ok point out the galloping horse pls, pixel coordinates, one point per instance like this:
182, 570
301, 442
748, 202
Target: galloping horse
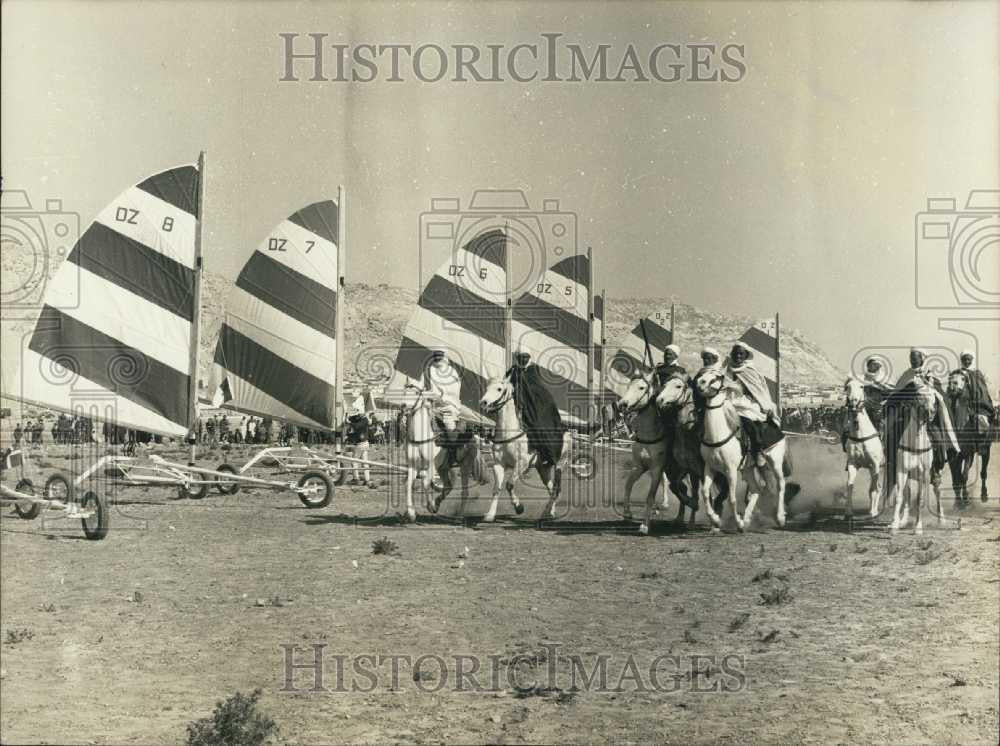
675, 397
512, 457
864, 447
974, 437
915, 458
722, 453
423, 454
649, 451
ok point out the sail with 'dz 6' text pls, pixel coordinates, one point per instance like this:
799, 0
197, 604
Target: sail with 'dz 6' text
113, 338
277, 347
460, 311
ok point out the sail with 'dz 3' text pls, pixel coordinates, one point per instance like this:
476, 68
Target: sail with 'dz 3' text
113, 338
277, 347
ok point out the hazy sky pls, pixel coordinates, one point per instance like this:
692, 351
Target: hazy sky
794, 189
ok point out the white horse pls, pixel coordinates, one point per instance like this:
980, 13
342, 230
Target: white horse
649, 449
914, 460
423, 454
864, 448
512, 456
722, 453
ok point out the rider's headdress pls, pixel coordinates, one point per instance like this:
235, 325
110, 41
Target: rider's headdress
742, 346
710, 351
672, 348
967, 353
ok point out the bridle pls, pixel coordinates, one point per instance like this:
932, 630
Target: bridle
416, 405
637, 409
718, 378
497, 406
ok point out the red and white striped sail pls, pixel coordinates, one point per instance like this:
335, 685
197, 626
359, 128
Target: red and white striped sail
113, 339
277, 347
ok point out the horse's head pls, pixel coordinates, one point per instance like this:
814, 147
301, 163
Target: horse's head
854, 393
956, 383
673, 392
415, 397
710, 382
498, 392
638, 394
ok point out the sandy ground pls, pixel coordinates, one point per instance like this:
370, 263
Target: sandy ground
886, 641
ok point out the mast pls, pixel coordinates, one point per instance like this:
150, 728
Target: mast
604, 346
673, 324
338, 376
591, 401
777, 359
508, 318
196, 313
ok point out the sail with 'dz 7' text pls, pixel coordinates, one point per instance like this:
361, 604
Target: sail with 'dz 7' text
113, 339
277, 347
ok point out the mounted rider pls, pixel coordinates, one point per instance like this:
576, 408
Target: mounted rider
980, 401
939, 429
444, 384
710, 360
756, 408
876, 390
669, 367
537, 410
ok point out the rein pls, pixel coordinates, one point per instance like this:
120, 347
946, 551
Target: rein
727, 438
509, 395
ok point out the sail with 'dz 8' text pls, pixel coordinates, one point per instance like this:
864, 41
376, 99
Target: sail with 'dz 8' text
113, 339
277, 347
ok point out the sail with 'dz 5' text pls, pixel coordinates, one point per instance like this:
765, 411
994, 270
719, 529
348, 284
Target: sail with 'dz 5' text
277, 347
113, 339
552, 323
461, 312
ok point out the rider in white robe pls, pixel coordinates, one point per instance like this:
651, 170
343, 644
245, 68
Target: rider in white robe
445, 387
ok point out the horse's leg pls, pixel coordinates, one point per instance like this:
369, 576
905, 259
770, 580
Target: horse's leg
547, 475
984, 461
918, 526
706, 496
898, 497
499, 474
874, 489
696, 491
852, 473
654, 486
411, 475
637, 471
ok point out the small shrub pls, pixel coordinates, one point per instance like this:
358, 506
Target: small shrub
385, 545
894, 549
235, 722
738, 622
769, 574
20, 634
925, 558
776, 596
649, 575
